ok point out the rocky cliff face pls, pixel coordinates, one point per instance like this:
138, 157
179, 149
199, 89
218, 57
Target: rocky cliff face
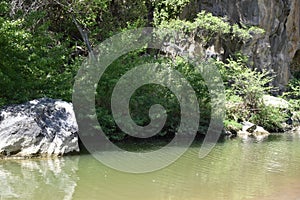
279, 47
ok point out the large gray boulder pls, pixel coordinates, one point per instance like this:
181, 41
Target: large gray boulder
43, 127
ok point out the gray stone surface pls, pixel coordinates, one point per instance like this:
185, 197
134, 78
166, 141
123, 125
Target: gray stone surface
260, 133
43, 127
275, 102
251, 130
249, 127
279, 18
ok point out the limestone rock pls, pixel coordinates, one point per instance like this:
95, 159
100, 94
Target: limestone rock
279, 47
248, 127
243, 134
251, 130
260, 133
275, 102
43, 127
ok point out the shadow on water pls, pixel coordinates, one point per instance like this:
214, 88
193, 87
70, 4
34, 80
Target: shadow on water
142, 145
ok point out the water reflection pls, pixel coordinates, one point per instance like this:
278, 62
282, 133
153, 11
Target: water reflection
234, 170
38, 179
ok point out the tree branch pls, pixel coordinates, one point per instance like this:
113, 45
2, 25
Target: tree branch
82, 31
84, 35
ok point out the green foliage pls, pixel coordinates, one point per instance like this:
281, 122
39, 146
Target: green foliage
235, 108
102, 18
165, 10
249, 84
232, 125
34, 62
270, 118
245, 90
107, 124
293, 94
151, 94
208, 27
207, 21
41, 50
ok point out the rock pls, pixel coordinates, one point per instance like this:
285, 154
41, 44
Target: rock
260, 133
251, 130
295, 118
231, 130
275, 102
246, 131
248, 127
278, 48
243, 134
43, 127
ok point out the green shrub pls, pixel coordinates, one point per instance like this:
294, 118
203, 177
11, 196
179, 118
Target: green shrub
150, 94
235, 108
293, 94
35, 62
270, 118
245, 90
208, 28
232, 125
248, 84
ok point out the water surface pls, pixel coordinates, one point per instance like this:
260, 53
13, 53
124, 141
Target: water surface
234, 170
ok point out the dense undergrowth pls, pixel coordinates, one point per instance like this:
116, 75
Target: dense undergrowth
41, 50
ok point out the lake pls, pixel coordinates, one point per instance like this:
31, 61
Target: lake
234, 170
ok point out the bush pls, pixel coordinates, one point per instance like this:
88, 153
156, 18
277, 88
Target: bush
245, 90
270, 118
293, 94
35, 62
151, 94
232, 126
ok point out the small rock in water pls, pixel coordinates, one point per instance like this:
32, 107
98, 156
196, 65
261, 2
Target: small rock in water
260, 133
248, 127
251, 130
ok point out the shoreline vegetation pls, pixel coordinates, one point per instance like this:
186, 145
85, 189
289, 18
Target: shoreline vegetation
43, 47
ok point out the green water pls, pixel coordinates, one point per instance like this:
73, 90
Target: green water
233, 170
